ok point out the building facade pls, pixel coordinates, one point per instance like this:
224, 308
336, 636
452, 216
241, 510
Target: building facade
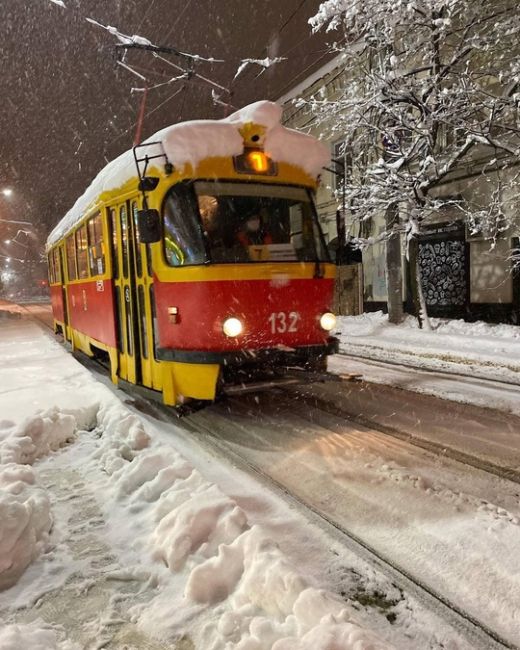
466, 272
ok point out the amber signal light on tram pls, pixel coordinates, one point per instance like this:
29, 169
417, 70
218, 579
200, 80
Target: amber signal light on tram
255, 161
258, 161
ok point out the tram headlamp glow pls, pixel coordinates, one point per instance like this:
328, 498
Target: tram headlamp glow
232, 327
328, 321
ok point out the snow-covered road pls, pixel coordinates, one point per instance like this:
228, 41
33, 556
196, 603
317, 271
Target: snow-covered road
461, 387
154, 542
454, 528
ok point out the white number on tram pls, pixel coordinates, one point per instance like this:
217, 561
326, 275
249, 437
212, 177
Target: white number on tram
284, 322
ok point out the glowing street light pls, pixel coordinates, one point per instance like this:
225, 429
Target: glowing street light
7, 191
7, 241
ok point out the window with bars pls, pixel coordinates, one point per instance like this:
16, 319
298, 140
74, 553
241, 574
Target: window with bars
342, 164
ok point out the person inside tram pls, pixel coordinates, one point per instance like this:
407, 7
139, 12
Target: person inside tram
254, 231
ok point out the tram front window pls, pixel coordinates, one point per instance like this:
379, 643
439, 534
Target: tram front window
183, 241
247, 222
240, 222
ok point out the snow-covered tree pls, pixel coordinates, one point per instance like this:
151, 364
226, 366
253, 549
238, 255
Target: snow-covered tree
432, 89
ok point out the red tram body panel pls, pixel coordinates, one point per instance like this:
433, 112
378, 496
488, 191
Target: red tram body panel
58, 308
91, 306
277, 312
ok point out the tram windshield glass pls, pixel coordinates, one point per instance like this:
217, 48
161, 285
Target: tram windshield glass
226, 222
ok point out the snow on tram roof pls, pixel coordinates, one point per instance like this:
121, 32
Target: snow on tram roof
191, 142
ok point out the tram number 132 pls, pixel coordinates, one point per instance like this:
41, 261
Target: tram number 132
284, 322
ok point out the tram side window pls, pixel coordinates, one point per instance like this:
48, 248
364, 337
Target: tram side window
113, 233
50, 261
183, 243
138, 260
96, 252
71, 258
124, 239
81, 252
57, 267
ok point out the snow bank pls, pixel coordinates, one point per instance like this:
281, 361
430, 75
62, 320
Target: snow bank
25, 521
25, 514
34, 636
188, 143
375, 322
188, 528
36, 436
480, 349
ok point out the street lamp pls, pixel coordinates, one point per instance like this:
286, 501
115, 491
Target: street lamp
8, 192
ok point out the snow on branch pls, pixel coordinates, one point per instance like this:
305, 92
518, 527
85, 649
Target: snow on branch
263, 63
122, 38
429, 91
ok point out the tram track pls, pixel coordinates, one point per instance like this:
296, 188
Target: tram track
476, 632
374, 360
441, 450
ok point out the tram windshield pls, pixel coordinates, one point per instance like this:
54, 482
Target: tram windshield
226, 222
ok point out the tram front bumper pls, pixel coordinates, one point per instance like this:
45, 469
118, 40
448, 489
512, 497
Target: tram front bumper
278, 356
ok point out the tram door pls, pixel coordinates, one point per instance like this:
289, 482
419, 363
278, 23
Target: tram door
124, 292
130, 285
143, 287
61, 270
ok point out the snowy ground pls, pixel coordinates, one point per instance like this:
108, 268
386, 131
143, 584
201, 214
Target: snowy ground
118, 531
454, 528
459, 361
110, 538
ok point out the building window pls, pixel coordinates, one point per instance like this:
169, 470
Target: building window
342, 164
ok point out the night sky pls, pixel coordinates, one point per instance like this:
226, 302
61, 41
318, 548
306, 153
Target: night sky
68, 107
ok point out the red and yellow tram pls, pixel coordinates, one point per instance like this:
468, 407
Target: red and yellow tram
198, 257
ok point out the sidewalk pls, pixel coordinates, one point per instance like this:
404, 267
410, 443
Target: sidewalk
456, 360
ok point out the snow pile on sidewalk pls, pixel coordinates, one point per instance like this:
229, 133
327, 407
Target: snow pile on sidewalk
203, 554
32, 637
480, 349
25, 521
35, 437
25, 517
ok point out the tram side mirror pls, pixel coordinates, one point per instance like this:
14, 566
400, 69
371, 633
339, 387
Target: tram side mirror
149, 226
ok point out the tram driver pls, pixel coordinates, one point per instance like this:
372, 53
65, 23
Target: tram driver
254, 231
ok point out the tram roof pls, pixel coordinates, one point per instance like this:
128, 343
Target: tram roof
193, 141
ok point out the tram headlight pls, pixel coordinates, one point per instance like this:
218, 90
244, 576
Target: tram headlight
328, 321
232, 327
